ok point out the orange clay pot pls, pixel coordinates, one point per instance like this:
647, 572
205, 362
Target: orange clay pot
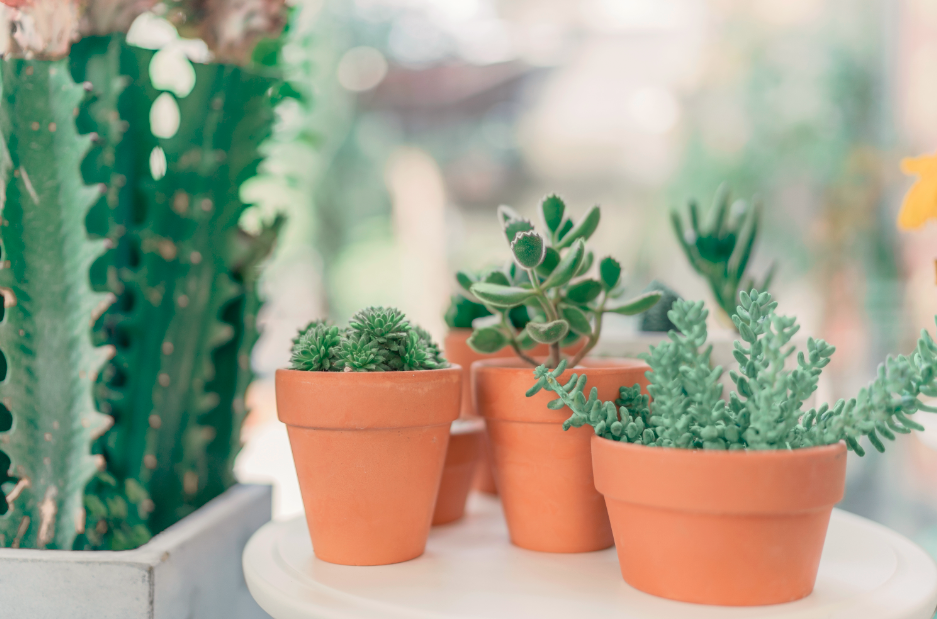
457, 350
465, 444
545, 474
732, 528
369, 450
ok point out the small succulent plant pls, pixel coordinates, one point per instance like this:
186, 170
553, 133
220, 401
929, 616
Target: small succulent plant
377, 339
720, 249
766, 411
655, 320
550, 277
463, 310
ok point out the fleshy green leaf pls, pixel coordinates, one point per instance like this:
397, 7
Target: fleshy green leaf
565, 227
577, 319
567, 267
609, 272
584, 291
515, 227
487, 340
550, 259
548, 332
465, 280
551, 210
501, 296
583, 229
496, 276
637, 305
529, 249
585, 265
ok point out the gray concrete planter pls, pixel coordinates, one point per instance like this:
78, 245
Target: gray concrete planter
191, 570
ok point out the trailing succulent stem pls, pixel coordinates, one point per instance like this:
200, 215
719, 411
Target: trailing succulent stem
720, 249
766, 410
551, 280
48, 363
377, 339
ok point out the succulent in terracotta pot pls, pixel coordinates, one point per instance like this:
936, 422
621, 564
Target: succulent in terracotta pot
545, 481
368, 410
736, 495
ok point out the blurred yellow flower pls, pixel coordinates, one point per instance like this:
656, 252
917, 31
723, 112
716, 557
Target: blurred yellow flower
921, 202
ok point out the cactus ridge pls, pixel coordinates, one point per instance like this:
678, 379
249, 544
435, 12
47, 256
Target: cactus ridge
49, 361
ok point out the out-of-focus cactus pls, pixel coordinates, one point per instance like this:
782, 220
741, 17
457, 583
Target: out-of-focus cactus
184, 321
47, 417
721, 248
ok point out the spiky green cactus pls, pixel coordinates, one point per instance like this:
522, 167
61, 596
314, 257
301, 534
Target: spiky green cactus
49, 362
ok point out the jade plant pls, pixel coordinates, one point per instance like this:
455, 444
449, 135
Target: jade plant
766, 411
551, 278
720, 248
377, 339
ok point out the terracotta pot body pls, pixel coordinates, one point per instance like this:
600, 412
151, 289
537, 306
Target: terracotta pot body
719, 527
369, 450
458, 351
543, 473
465, 445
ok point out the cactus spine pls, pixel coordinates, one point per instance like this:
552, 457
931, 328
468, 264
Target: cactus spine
49, 361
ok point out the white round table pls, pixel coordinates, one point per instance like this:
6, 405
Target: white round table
471, 570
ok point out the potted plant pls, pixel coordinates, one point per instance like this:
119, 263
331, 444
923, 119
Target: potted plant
368, 410
128, 314
728, 503
545, 482
460, 316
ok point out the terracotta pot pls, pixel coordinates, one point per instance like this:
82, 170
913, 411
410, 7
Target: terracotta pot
458, 351
543, 473
719, 527
369, 450
465, 446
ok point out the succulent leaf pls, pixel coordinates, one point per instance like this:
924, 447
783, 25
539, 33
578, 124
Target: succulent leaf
584, 291
583, 229
609, 272
552, 209
487, 340
548, 332
529, 249
501, 296
637, 305
567, 267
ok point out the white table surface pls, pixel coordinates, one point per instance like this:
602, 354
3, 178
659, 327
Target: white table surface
470, 570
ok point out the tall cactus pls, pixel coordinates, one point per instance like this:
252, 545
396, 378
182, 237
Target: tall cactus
187, 282
48, 359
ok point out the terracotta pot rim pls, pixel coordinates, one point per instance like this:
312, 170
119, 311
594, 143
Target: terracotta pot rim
396, 374
764, 454
591, 364
720, 482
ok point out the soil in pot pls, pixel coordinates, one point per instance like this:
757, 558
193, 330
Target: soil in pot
462, 456
369, 449
731, 528
544, 474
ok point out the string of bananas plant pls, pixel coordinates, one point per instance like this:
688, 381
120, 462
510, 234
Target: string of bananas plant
550, 277
766, 410
377, 339
720, 248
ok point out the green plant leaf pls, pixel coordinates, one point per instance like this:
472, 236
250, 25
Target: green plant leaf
586, 264
565, 227
487, 340
501, 296
464, 279
529, 249
583, 228
515, 227
550, 260
551, 210
637, 305
567, 267
506, 214
609, 272
584, 291
577, 319
548, 332
496, 276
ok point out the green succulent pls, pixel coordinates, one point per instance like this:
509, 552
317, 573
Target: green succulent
720, 249
358, 352
655, 320
766, 410
550, 277
316, 348
378, 339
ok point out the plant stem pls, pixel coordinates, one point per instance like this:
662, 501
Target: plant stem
594, 336
517, 349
